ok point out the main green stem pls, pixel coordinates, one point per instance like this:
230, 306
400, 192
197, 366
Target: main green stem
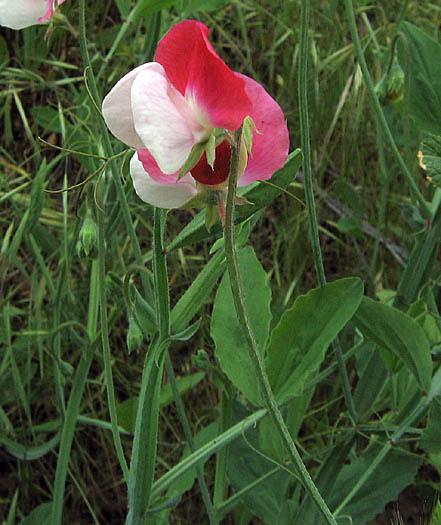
309, 193
425, 210
265, 388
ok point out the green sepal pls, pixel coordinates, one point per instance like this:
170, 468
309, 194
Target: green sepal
248, 127
240, 199
210, 150
193, 159
211, 216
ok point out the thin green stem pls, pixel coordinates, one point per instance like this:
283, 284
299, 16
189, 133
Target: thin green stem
309, 192
425, 209
255, 354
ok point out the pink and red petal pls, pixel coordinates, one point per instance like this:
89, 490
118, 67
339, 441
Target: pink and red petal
196, 71
157, 194
270, 147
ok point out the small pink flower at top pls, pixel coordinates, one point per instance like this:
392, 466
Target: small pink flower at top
17, 14
190, 97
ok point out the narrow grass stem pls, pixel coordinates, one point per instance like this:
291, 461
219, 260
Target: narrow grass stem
425, 210
255, 355
309, 192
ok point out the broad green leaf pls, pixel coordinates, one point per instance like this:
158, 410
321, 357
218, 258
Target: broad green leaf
304, 332
372, 377
126, 411
424, 57
231, 345
260, 194
395, 472
431, 439
430, 158
399, 333
246, 466
40, 515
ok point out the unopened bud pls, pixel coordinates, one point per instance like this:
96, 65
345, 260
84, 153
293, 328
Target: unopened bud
87, 242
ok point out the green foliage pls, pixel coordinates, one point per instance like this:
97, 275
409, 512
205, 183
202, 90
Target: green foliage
396, 471
231, 345
398, 333
299, 341
420, 57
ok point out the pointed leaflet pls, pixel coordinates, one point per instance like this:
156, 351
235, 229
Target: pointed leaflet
396, 331
231, 345
300, 339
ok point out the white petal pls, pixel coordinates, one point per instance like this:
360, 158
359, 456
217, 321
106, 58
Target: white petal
117, 108
160, 195
163, 120
18, 14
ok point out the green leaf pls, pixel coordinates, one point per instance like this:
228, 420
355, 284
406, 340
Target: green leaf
41, 514
399, 333
46, 117
194, 6
300, 339
371, 379
431, 438
185, 482
150, 7
197, 293
395, 472
430, 158
246, 466
144, 315
260, 194
231, 345
424, 57
124, 7
126, 411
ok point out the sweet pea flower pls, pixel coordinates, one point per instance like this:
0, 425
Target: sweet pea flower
17, 14
182, 106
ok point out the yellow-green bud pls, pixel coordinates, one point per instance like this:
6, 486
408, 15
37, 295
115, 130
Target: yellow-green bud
88, 238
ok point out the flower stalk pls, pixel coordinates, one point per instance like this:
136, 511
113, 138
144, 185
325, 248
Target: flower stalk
239, 303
